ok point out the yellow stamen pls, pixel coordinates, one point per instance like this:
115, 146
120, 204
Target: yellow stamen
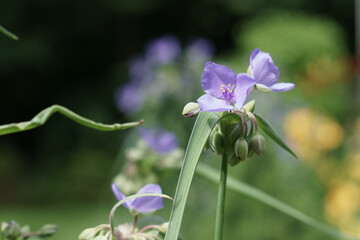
223, 90
222, 85
229, 85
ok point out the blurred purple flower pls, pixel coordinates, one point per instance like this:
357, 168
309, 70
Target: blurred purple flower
265, 72
200, 49
163, 50
158, 140
139, 70
141, 204
224, 89
128, 98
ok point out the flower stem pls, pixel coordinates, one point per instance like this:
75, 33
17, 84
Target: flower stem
220, 208
134, 224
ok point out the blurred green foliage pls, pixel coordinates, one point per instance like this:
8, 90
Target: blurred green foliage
75, 53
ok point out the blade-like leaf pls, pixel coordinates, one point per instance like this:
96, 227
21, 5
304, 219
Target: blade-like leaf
202, 128
270, 131
45, 114
237, 186
8, 33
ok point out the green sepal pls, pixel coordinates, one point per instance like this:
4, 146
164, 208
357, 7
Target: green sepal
262, 88
249, 106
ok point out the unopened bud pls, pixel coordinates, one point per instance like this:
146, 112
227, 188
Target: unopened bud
163, 227
241, 148
87, 234
48, 230
226, 121
218, 143
262, 88
11, 230
232, 159
191, 109
207, 144
234, 132
250, 106
258, 144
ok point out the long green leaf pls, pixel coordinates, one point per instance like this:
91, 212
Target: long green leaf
237, 186
202, 128
8, 33
45, 114
270, 131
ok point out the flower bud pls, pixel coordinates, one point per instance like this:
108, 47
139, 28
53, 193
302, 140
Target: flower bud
226, 121
207, 144
250, 106
262, 88
11, 230
48, 230
234, 132
232, 159
258, 144
191, 109
164, 227
241, 148
87, 234
218, 143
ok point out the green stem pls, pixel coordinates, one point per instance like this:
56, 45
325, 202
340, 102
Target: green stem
220, 208
45, 114
8, 33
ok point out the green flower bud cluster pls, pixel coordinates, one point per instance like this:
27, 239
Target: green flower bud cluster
13, 231
236, 135
101, 232
125, 231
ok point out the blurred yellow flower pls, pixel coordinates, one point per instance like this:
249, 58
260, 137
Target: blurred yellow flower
352, 165
312, 133
342, 206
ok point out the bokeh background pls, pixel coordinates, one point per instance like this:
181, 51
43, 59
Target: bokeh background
118, 61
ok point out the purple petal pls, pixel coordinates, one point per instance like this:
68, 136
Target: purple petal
139, 70
280, 87
263, 68
200, 49
158, 140
128, 98
214, 76
163, 50
120, 196
148, 204
244, 84
166, 142
209, 103
253, 54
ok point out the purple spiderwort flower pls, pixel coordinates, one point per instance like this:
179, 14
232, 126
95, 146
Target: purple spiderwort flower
200, 49
264, 71
158, 140
141, 204
224, 89
140, 70
125, 100
163, 50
